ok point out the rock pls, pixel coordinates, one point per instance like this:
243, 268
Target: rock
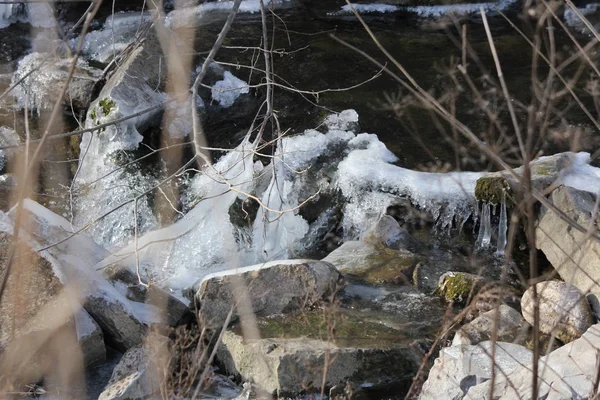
389, 233
137, 376
90, 338
510, 327
565, 373
32, 285
575, 258
373, 264
40, 88
459, 286
268, 289
564, 310
544, 172
290, 366
460, 367
7, 191
123, 321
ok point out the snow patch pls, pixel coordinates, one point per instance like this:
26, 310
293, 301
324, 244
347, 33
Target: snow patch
227, 90
581, 175
370, 8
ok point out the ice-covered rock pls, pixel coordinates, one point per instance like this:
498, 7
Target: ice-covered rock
458, 368
266, 289
565, 373
563, 309
39, 89
102, 182
8, 137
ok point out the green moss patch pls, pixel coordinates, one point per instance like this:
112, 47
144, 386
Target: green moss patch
458, 286
490, 189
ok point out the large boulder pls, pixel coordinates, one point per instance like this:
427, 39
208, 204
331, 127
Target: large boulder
565, 373
290, 366
265, 289
574, 255
564, 310
458, 368
374, 263
505, 323
123, 321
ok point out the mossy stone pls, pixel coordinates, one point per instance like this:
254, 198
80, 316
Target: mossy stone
458, 286
490, 189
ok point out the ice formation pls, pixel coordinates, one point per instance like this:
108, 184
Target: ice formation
428, 11
227, 90
8, 137
303, 166
102, 181
116, 34
370, 8
38, 90
39, 15
581, 175
196, 16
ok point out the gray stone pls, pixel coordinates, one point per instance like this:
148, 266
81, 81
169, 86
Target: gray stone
288, 367
138, 375
510, 327
91, 339
458, 368
575, 257
122, 320
565, 373
389, 233
374, 264
265, 289
564, 310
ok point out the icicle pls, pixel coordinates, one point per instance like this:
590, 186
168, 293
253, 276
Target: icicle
502, 225
485, 227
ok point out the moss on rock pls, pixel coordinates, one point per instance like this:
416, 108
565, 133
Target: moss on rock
458, 286
489, 189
